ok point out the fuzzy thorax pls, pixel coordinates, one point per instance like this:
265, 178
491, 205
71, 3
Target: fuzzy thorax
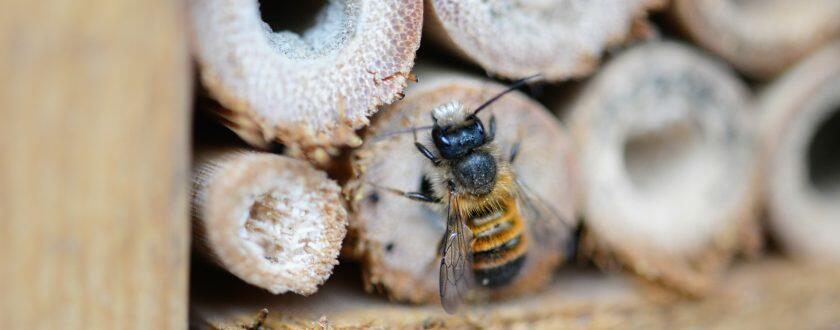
450, 114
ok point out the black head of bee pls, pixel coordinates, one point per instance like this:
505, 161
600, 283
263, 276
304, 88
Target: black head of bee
474, 169
455, 142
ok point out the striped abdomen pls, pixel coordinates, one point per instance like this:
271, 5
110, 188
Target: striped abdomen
498, 244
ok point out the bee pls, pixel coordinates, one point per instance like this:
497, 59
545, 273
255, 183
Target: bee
493, 220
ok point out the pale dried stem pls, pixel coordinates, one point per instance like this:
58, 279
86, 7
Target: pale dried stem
760, 38
273, 221
308, 91
667, 158
560, 39
801, 132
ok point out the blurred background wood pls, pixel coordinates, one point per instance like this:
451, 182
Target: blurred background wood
95, 101
760, 38
768, 294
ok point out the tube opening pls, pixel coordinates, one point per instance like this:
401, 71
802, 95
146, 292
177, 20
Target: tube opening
292, 16
263, 225
823, 158
308, 29
662, 161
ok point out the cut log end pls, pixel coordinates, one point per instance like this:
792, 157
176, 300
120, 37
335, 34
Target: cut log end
556, 39
309, 90
397, 238
666, 157
273, 221
760, 38
801, 133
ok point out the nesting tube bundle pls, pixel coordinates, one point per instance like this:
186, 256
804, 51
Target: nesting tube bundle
273, 221
801, 131
760, 38
667, 152
397, 239
309, 91
559, 39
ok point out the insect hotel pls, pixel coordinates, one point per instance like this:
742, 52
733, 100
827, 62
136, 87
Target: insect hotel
391, 164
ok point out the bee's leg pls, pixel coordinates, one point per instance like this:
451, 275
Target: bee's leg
413, 195
418, 196
491, 130
514, 151
425, 151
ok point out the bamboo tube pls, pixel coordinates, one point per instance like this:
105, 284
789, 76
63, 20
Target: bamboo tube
801, 133
308, 90
560, 39
275, 222
94, 144
760, 38
666, 152
397, 239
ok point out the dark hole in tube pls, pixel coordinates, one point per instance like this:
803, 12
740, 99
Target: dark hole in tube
660, 160
824, 155
295, 16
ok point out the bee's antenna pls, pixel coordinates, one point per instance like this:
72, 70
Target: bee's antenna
512, 87
397, 132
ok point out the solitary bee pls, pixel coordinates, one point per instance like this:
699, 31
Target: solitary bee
493, 219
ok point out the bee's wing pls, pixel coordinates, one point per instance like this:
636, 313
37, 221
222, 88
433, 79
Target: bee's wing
548, 227
456, 276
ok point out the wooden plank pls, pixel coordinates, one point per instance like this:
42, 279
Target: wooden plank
94, 117
766, 294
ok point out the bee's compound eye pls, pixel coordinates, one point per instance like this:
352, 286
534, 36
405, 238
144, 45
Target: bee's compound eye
478, 129
439, 137
445, 140
447, 143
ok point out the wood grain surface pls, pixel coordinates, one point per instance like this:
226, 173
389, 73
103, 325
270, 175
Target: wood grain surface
769, 294
94, 137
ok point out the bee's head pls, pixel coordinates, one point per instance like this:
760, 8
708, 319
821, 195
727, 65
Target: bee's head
457, 132
457, 140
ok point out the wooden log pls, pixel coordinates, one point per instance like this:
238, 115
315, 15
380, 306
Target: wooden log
273, 221
309, 90
560, 39
397, 239
667, 157
801, 132
768, 294
93, 160
760, 38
